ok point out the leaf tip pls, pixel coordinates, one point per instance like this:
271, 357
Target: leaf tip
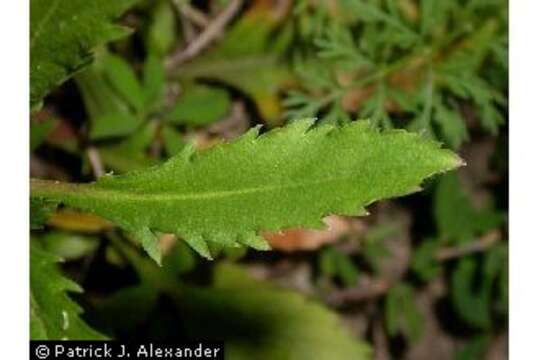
255, 241
198, 244
454, 161
150, 244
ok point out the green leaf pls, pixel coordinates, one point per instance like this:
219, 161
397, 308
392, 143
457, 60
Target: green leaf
161, 33
124, 80
472, 304
199, 106
334, 263
287, 178
327, 265
63, 34
254, 318
372, 13
460, 226
347, 271
503, 286
53, 315
473, 296
434, 14
338, 44
130, 154
133, 303
374, 249
474, 348
453, 128
404, 45
250, 316
40, 210
108, 111
424, 263
249, 58
172, 140
154, 82
114, 124
98, 95
180, 260
401, 313
451, 224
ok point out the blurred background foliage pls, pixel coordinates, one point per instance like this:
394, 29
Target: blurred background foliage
423, 277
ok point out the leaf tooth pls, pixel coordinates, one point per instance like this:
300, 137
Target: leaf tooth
250, 136
326, 129
355, 208
222, 238
150, 243
187, 152
252, 239
317, 223
415, 189
362, 211
198, 244
297, 127
303, 126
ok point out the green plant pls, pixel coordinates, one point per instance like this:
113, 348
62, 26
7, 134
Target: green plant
404, 64
168, 157
78, 26
225, 195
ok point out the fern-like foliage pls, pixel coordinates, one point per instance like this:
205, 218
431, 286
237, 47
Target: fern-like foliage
63, 34
289, 177
433, 66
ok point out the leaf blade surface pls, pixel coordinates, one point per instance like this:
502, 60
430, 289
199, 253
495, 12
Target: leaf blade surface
286, 178
53, 315
62, 36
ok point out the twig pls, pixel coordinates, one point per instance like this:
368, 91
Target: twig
95, 162
482, 244
188, 29
367, 289
188, 17
380, 340
194, 15
210, 33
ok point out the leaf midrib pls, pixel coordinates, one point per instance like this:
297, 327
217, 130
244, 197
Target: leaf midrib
121, 194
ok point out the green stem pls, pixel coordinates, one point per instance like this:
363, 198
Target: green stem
385, 71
